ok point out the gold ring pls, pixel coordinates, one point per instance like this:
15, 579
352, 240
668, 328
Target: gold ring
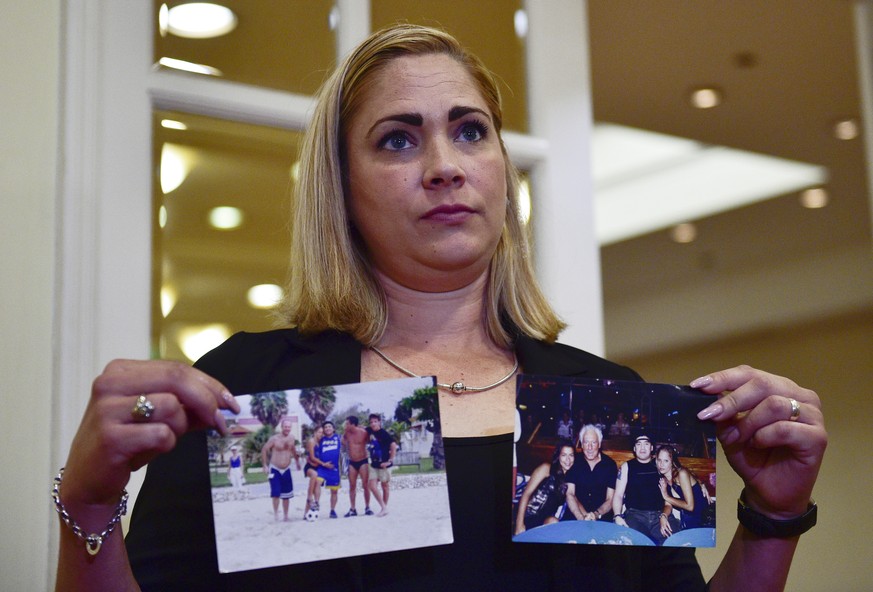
142, 409
795, 410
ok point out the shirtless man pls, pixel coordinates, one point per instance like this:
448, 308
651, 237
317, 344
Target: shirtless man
355, 440
276, 460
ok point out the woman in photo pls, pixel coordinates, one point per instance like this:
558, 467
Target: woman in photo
408, 257
310, 469
545, 491
681, 488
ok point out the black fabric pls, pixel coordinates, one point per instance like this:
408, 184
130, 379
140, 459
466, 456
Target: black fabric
590, 484
171, 541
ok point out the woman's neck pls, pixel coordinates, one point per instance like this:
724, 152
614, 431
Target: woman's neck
435, 321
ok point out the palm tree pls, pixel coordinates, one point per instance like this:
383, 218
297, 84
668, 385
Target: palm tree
318, 402
424, 400
269, 408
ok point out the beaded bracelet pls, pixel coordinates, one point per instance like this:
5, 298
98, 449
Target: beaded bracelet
93, 541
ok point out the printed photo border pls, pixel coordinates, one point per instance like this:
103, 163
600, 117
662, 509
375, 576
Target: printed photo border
252, 533
550, 413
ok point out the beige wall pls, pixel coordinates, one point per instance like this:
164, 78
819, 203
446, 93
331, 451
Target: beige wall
28, 163
834, 358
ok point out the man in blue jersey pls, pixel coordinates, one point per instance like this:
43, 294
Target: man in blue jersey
328, 471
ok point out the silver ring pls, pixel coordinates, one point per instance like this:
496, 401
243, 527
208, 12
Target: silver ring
142, 409
795, 410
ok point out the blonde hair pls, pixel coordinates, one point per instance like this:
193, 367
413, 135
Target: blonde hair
331, 285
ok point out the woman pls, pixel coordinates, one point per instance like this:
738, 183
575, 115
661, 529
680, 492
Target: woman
310, 469
545, 491
235, 470
681, 488
406, 240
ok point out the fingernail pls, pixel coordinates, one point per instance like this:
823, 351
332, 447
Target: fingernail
220, 424
231, 401
730, 436
711, 411
701, 382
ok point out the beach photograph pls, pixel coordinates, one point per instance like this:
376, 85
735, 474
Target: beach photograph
281, 479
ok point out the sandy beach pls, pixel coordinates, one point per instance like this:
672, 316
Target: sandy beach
248, 537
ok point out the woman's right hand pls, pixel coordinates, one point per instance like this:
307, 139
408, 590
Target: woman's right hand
111, 442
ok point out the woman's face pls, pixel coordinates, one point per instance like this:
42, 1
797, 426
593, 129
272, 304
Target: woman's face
426, 175
665, 463
566, 458
318, 433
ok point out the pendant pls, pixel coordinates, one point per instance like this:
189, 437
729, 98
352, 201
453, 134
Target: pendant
458, 387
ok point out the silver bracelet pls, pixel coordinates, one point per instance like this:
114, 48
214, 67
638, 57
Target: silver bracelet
93, 541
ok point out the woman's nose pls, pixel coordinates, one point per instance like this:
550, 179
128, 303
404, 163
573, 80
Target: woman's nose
443, 166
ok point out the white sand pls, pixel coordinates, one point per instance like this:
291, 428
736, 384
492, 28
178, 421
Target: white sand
248, 537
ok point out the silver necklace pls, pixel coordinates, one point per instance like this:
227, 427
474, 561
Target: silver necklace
457, 388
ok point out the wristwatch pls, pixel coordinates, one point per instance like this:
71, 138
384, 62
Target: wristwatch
766, 527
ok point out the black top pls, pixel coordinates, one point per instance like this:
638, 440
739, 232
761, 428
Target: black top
172, 542
642, 491
590, 484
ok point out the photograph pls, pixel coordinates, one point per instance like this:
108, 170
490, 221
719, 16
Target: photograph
326, 472
613, 463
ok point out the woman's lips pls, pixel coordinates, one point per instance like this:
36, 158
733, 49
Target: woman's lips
449, 213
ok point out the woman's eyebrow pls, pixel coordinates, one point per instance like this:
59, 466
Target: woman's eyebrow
417, 120
460, 111
414, 119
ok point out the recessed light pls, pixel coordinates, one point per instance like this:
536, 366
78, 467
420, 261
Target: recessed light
846, 129
705, 98
524, 201
200, 20
265, 295
173, 124
684, 233
197, 340
521, 23
225, 217
175, 64
816, 197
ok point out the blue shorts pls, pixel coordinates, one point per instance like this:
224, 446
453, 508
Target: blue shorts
280, 483
330, 478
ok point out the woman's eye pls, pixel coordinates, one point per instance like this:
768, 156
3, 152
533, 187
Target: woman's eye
395, 141
473, 131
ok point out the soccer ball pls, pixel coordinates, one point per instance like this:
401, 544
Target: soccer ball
311, 515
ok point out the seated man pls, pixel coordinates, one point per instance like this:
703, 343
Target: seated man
591, 480
638, 491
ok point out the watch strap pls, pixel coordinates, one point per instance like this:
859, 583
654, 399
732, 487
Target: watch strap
767, 527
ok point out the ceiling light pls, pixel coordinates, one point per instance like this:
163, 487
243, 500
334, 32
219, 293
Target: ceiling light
265, 295
200, 20
684, 233
225, 217
168, 299
814, 198
195, 341
189, 67
524, 200
163, 20
846, 129
521, 23
644, 181
173, 124
176, 163
705, 98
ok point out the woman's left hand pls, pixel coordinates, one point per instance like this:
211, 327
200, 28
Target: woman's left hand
776, 450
